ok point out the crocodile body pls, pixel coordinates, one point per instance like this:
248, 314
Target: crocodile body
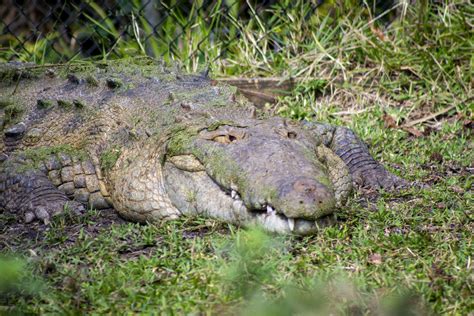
155, 144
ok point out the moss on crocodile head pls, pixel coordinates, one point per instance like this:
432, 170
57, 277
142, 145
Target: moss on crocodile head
181, 138
270, 194
216, 161
109, 157
205, 96
215, 125
311, 155
221, 167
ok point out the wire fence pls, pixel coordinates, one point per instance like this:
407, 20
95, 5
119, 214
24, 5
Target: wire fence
57, 31
201, 31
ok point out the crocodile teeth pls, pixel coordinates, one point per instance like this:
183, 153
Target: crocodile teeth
233, 194
291, 223
270, 210
237, 204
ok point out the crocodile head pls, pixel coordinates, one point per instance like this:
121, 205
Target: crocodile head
263, 172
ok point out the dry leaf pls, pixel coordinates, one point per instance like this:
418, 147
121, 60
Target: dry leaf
413, 131
436, 156
389, 121
457, 189
441, 205
378, 32
375, 258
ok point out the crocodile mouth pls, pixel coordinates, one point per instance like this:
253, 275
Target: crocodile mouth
274, 220
194, 192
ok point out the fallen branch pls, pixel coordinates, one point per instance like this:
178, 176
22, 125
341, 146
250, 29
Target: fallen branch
428, 118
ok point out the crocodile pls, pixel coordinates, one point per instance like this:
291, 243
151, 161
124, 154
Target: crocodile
155, 143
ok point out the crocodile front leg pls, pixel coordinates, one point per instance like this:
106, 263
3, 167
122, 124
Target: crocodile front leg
365, 170
41, 189
32, 195
137, 185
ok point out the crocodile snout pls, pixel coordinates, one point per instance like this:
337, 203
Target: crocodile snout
306, 198
269, 171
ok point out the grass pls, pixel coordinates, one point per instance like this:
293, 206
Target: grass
403, 253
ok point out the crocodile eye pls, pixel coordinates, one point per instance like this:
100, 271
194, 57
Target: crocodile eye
224, 135
225, 139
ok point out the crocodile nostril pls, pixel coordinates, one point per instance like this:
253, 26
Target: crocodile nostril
310, 191
306, 197
306, 186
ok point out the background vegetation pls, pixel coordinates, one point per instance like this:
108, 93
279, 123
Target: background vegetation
404, 83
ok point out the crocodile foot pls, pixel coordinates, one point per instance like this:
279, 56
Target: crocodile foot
379, 178
31, 195
47, 209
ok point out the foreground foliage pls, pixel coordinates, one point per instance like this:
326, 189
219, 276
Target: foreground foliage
396, 253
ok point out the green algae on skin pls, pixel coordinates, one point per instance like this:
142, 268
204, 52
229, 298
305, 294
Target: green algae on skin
180, 141
92, 81
109, 157
6, 101
65, 104
12, 113
221, 168
34, 157
44, 104
10, 74
114, 83
79, 104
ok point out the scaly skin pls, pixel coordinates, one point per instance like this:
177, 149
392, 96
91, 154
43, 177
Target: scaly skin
156, 144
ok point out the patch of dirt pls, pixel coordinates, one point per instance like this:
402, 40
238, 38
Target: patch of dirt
65, 229
196, 232
131, 251
439, 170
17, 236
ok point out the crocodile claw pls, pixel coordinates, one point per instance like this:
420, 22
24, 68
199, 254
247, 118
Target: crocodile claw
291, 224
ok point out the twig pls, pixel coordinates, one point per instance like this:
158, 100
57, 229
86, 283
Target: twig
429, 117
352, 112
